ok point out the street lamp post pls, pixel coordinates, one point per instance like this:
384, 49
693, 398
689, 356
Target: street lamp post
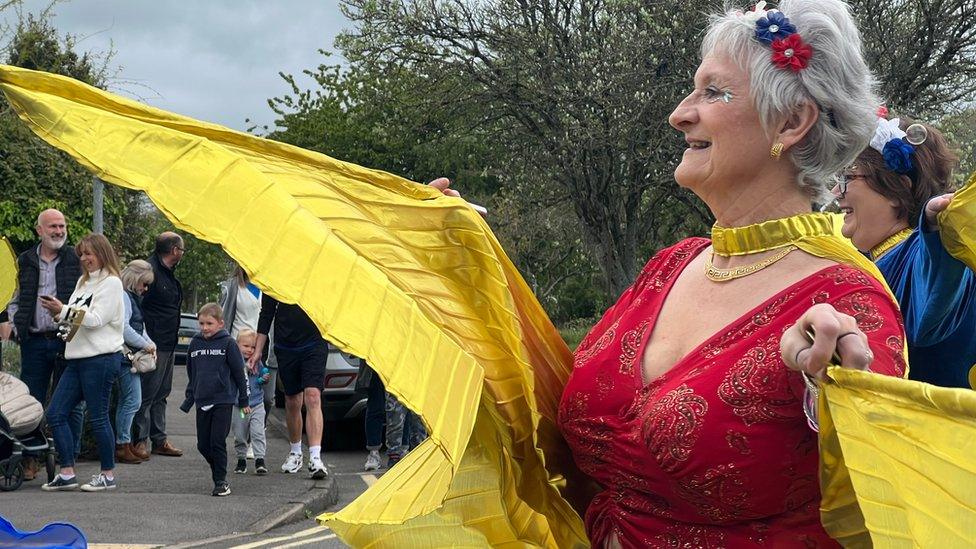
98, 187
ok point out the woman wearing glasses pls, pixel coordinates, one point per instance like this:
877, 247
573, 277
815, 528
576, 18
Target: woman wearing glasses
891, 197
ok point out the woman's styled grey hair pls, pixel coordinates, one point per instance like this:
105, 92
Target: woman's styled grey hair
837, 80
137, 273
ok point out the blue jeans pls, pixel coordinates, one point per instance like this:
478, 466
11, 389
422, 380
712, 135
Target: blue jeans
375, 412
90, 379
130, 398
40, 359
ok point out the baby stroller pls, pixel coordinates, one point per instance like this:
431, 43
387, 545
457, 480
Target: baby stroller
13, 451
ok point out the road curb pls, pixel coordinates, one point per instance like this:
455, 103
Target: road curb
320, 497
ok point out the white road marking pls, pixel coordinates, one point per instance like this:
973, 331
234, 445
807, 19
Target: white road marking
121, 546
369, 479
269, 541
304, 542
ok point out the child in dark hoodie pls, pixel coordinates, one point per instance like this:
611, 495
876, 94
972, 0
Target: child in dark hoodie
217, 383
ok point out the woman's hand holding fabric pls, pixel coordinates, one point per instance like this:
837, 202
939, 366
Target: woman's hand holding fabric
443, 184
933, 208
833, 332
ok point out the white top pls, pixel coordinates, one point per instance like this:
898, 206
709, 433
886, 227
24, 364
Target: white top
101, 329
246, 314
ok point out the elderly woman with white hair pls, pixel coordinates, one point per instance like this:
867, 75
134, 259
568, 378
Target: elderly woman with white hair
136, 278
680, 405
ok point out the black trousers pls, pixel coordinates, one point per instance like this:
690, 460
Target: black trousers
213, 426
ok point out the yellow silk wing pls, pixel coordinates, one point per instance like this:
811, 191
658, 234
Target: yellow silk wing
8, 271
957, 224
908, 448
389, 270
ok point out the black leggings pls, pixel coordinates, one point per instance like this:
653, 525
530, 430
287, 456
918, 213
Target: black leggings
213, 426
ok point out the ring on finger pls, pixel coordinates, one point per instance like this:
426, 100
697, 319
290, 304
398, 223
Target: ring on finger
796, 358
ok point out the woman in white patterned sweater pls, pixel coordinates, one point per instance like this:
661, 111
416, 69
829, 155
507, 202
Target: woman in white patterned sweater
93, 357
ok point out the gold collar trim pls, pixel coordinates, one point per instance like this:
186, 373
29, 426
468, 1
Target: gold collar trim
889, 243
770, 235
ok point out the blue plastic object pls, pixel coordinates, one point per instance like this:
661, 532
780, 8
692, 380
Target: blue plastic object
57, 535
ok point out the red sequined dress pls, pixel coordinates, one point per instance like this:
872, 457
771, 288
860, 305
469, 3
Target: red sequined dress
717, 451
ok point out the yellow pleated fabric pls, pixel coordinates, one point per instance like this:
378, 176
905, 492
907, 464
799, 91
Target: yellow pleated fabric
416, 283
909, 448
957, 224
8, 271
389, 270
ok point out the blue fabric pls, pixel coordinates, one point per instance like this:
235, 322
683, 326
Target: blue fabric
90, 379
254, 290
130, 398
937, 295
57, 535
255, 394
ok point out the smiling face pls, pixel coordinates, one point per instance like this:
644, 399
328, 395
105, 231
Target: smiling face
88, 259
209, 325
52, 229
726, 142
869, 217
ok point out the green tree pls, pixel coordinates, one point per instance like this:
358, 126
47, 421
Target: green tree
923, 51
34, 175
576, 94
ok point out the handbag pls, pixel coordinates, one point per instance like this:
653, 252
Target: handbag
142, 361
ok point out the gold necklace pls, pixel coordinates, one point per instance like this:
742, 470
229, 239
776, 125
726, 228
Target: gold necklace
889, 243
724, 275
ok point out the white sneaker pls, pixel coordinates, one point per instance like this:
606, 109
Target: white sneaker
372, 461
250, 453
317, 468
292, 464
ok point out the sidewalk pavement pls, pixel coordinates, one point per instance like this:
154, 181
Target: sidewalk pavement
167, 501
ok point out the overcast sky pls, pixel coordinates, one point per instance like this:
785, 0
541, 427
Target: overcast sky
215, 60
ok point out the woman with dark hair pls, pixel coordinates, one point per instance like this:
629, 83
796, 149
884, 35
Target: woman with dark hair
891, 197
95, 315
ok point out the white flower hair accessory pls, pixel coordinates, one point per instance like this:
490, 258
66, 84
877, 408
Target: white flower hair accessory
885, 132
756, 13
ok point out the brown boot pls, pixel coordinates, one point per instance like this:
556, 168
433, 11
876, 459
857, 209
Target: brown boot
167, 449
124, 455
139, 450
132, 450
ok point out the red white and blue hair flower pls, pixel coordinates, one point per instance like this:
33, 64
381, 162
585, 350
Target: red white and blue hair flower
889, 140
774, 29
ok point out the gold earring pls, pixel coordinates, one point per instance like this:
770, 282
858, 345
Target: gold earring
777, 150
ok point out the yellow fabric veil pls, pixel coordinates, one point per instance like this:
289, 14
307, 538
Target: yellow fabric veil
389, 270
957, 224
416, 283
8, 271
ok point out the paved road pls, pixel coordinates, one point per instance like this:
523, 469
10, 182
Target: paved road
308, 533
166, 501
